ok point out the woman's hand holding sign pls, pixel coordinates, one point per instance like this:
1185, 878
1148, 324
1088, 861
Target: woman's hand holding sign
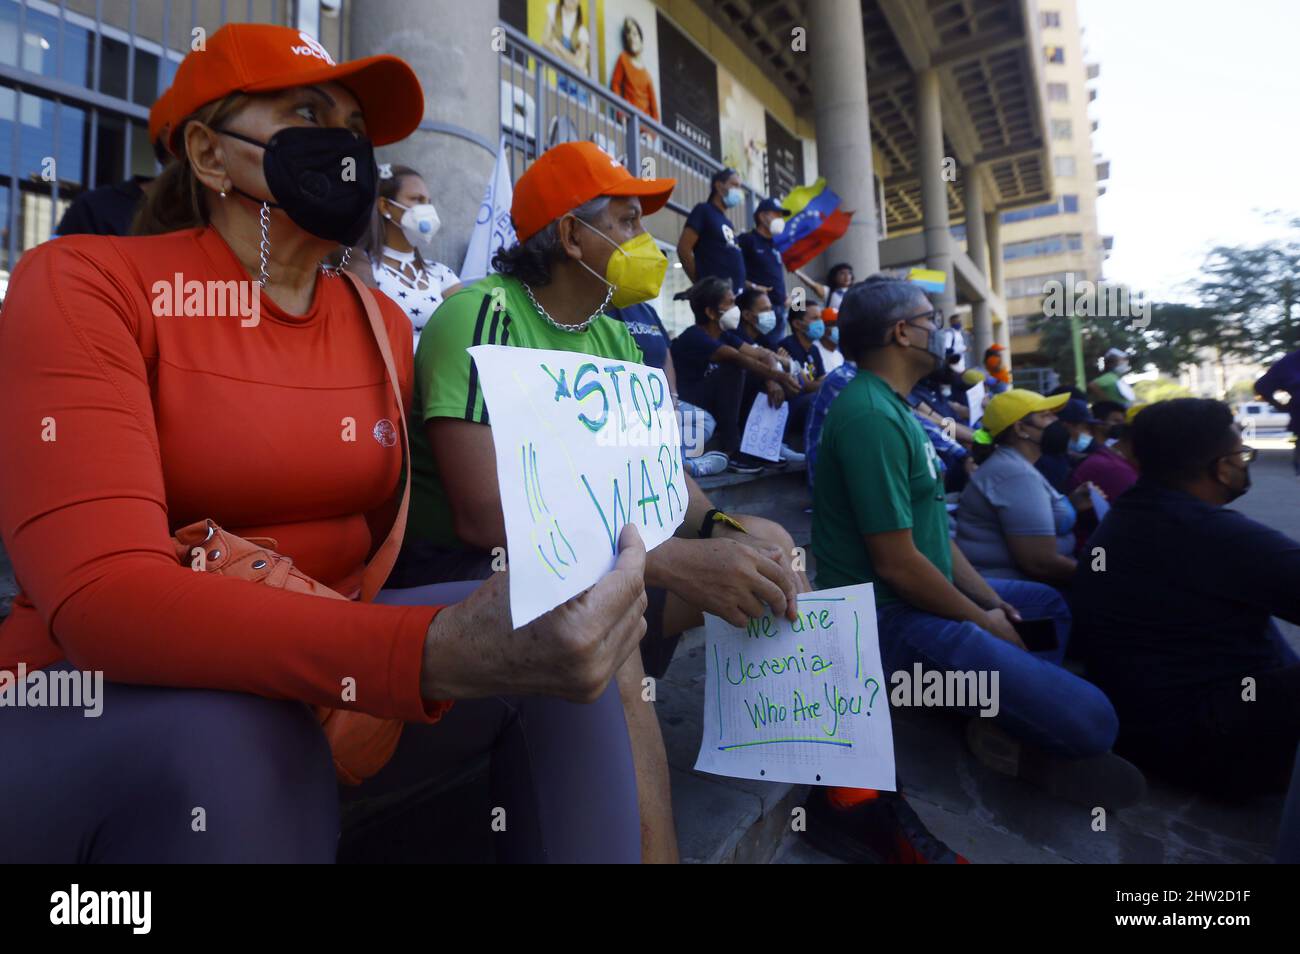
572, 652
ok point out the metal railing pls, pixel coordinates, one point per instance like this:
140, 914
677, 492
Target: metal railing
544, 102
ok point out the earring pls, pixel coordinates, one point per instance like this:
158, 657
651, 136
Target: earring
223, 193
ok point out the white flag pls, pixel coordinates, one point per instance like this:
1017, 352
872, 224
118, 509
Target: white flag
492, 228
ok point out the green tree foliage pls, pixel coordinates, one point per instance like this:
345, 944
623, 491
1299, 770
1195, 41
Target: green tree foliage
1169, 341
1247, 308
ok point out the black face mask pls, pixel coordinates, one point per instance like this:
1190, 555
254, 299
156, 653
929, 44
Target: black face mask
305, 169
1235, 492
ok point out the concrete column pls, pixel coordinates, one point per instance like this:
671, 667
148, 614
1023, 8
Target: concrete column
839, 80
934, 192
993, 230
459, 72
977, 251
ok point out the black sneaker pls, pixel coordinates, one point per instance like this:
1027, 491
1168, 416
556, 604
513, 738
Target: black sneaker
1106, 780
882, 831
744, 464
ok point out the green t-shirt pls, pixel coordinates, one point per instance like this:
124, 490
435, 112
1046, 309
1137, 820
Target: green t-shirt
876, 472
1109, 383
447, 384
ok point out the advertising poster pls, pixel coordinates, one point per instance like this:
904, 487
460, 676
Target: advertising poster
688, 82
630, 61
744, 131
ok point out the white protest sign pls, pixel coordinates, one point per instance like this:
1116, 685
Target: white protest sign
584, 445
801, 702
764, 429
975, 402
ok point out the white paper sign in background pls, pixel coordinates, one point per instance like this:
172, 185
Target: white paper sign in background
764, 428
803, 702
584, 445
975, 402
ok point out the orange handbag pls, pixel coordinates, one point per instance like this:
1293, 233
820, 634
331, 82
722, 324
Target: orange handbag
361, 744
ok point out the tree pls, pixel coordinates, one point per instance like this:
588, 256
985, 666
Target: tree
1171, 339
1256, 288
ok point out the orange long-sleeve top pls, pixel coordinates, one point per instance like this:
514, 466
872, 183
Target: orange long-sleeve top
119, 424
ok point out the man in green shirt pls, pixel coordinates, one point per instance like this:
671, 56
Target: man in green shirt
581, 246
879, 516
1110, 385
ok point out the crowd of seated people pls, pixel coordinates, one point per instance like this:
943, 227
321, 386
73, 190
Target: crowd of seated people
214, 683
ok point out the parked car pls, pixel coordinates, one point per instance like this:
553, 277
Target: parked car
1261, 416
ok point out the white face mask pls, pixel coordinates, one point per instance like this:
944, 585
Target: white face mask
420, 223
731, 318
766, 319
776, 226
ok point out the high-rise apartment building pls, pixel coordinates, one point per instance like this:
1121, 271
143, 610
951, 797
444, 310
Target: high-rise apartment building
1045, 242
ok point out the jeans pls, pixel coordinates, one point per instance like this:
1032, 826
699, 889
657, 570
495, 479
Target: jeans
1039, 702
697, 426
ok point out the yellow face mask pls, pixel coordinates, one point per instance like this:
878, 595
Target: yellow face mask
635, 271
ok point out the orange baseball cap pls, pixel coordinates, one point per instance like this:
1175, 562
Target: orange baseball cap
264, 58
571, 174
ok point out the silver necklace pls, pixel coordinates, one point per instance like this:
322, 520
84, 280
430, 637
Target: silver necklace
571, 329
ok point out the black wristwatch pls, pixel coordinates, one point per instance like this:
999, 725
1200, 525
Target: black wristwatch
714, 517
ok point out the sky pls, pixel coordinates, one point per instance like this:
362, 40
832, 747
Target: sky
1198, 106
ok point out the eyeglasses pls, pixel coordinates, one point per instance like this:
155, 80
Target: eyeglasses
933, 315
1246, 455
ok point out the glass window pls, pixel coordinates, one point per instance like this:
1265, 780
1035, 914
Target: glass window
1070, 203
1064, 166
1048, 245
1058, 92
1054, 54
1051, 18
1062, 129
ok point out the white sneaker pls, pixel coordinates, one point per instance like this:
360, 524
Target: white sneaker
706, 465
791, 456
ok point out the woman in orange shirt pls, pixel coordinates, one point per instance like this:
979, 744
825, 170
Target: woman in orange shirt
148, 384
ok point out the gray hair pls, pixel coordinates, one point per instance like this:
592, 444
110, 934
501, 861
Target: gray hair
531, 261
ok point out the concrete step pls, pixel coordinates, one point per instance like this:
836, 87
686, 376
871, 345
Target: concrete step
720, 820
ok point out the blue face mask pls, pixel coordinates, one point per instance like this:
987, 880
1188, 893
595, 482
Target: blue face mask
766, 322
835, 335
1081, 443
816, 329
733, 197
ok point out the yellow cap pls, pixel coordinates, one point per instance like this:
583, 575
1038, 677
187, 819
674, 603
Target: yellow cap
1010, 406
1132, 412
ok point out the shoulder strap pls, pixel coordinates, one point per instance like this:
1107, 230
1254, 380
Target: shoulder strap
381, 564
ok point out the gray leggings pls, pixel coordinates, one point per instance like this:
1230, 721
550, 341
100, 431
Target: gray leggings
190, 775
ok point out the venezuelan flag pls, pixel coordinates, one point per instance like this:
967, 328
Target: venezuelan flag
815, 221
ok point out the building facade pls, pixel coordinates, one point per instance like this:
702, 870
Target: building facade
923, 115
1045, 242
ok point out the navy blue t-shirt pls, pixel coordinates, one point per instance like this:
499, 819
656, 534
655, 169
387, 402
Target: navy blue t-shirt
647, 331
1183, 600
810, 359
716, 253
693, 355
763, 265
737, 338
